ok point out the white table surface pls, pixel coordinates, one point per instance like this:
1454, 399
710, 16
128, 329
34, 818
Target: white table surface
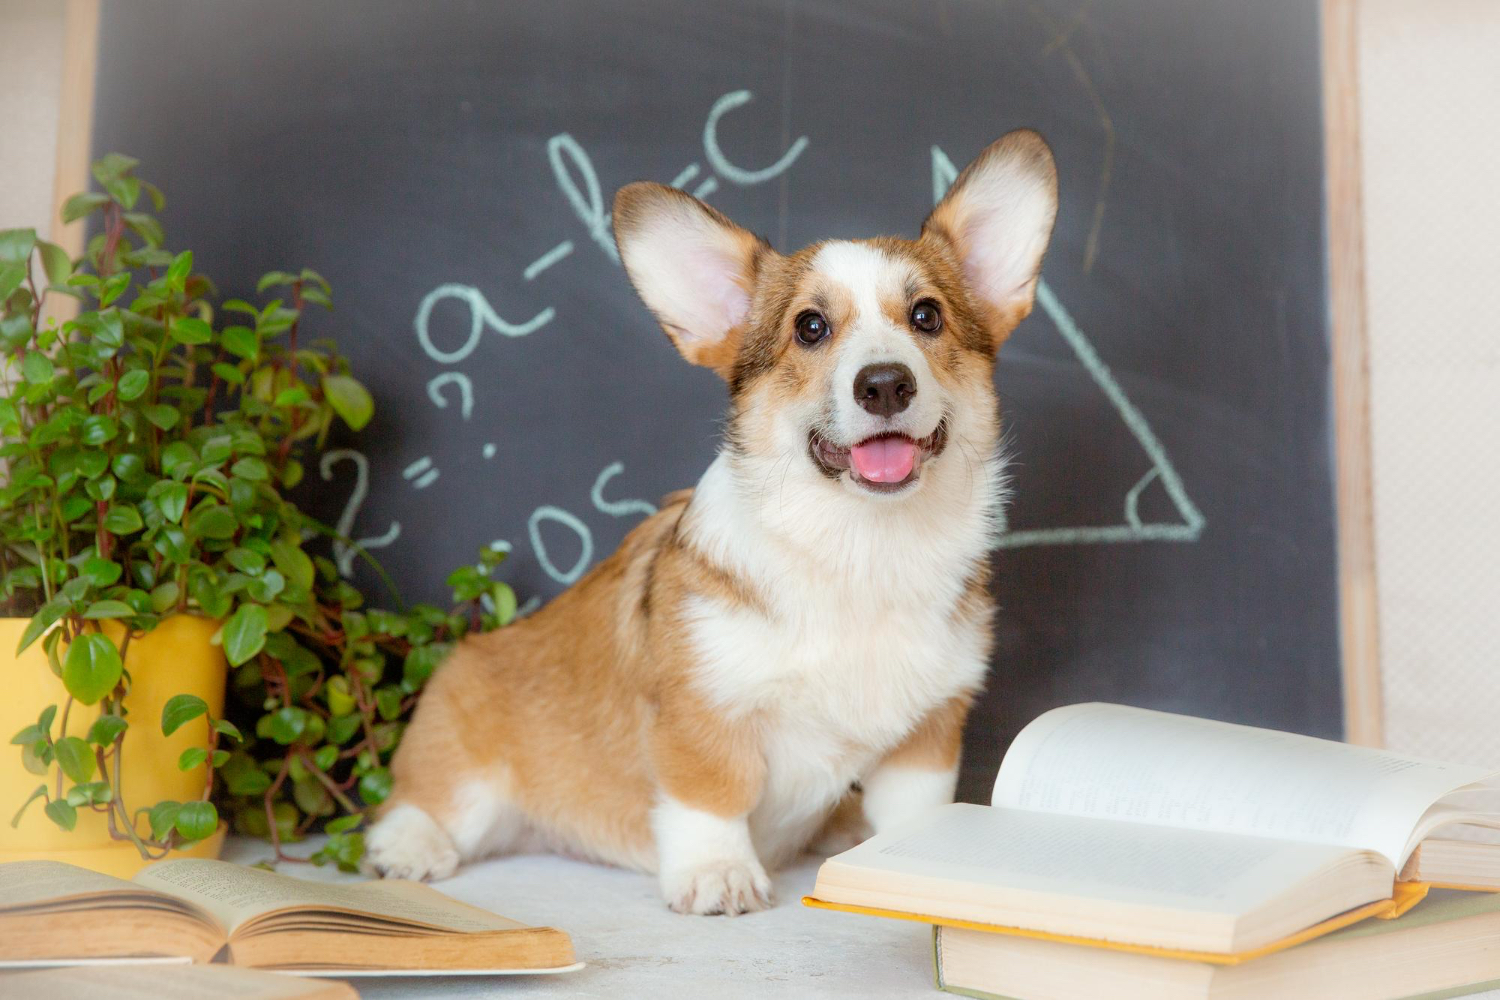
637, 949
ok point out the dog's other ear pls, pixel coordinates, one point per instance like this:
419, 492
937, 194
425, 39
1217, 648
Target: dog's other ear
694, 269
998, 217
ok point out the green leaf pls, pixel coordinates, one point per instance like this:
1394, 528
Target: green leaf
127, 466
146, 227
241, 342
216, 522
349, 400
182, 266
11, 276
246, 560
106, 728
36, 367
178, 460
196, 820
375, 786
122, 520
112, 165
312, 798
242, 777
229, 373
226, 728
16, 244
206, 589
37, 793
163, 817
162, 415
341, 728
164, 596
171, 500
61, 813
388, 702
252, 469
29, 735
267, 586
274, 278
295, 564
420, 662
98, 429
191, 758
111, 333
317, 297
80, 205
55, 262
125, 190
244, 633
180, 709
75, 757
132, 384
92, 667
108, 609
343, 824
46, 615
505, 602
172, 543
191, 330
286, 724
326, 756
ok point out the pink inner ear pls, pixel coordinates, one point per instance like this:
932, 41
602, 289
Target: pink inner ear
721, 304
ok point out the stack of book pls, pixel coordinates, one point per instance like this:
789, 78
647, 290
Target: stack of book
1130, 853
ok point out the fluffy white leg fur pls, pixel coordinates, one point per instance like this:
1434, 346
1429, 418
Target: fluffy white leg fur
706, 863
408, 843
894, 793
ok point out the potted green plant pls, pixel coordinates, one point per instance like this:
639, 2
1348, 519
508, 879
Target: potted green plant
143, 523
147, 537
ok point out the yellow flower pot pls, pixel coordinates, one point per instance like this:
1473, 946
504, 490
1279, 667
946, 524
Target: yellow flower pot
175, 658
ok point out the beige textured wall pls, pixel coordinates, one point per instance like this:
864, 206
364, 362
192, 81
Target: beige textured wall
31, 59
1430, 124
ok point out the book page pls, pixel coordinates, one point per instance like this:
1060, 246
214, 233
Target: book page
1112, 880
23, 883
1141, 766
1094, 859
235, 894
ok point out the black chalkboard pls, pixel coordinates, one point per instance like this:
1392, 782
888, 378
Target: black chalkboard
447, 166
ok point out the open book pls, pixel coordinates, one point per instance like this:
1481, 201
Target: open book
1121, 825
204, 911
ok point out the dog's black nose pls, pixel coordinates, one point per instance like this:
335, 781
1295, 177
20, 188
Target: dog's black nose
884, 389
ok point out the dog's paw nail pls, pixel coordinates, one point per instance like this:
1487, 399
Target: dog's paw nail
726, 887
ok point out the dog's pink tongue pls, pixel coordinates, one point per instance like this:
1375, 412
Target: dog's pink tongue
884, 460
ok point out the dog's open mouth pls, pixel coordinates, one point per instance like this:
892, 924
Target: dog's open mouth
884, 463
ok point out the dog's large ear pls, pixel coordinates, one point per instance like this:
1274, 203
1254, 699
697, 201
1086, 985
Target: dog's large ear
694, 269
998, 217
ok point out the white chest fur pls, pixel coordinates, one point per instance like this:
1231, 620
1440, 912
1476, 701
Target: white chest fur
858, 638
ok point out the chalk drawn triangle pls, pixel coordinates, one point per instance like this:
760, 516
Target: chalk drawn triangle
1132, 528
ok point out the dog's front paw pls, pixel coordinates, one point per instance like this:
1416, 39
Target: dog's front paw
408, 843
727, 887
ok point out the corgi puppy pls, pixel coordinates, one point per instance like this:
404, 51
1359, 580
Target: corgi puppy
812, 618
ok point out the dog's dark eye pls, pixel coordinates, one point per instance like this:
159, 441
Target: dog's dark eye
811, 328
925, 316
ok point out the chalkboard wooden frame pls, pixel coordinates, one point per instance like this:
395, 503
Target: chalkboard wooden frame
1357, 571
1358, 604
